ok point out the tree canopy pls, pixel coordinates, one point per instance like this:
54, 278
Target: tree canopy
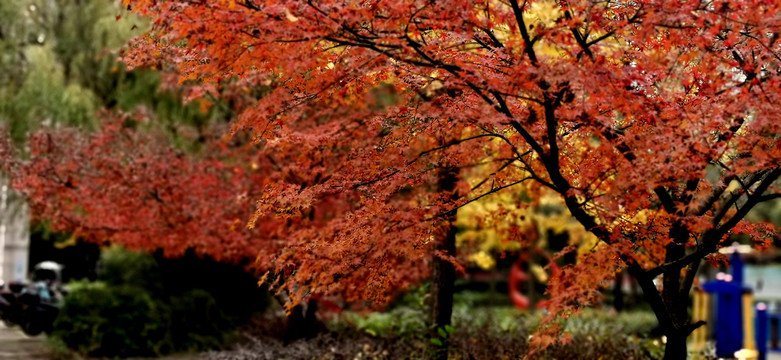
59, 68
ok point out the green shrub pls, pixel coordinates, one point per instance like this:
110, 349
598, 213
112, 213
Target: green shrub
197, 322
58, 350
101, 320
400, 321
121, 267
483, 332
143, 306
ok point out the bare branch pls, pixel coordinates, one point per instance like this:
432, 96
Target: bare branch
528, 44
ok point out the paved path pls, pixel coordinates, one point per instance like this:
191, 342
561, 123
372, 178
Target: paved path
14, 344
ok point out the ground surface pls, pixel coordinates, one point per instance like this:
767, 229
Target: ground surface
16, 345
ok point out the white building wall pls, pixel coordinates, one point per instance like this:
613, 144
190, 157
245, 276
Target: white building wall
765, 280
14, 234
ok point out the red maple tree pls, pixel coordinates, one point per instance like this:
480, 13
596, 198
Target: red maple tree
123, 186
654, 120
132, 187
620, 107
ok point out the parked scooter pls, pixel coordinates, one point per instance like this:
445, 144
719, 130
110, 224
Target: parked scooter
33, 306
10, 308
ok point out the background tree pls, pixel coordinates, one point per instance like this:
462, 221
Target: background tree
59, 67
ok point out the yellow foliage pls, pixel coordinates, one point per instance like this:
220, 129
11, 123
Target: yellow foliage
543, 14
490, 238
483, 260
539, 273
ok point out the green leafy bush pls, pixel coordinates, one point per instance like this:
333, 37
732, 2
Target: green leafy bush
145, 306
401, 321
482, 332
197, 322
102, 320
121, 267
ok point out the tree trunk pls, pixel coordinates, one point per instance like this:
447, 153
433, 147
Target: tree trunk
302, 322
676, 335
532, 283
443, 284
443, 274
676, 346
618, 292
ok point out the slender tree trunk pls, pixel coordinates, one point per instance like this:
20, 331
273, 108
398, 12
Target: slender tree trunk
302, 321
443, 274
532, 286
442, 292
675, 295
442, 295
618, 292
672, 316
675, 349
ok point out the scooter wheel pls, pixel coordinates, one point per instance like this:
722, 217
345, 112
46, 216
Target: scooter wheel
32, 328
